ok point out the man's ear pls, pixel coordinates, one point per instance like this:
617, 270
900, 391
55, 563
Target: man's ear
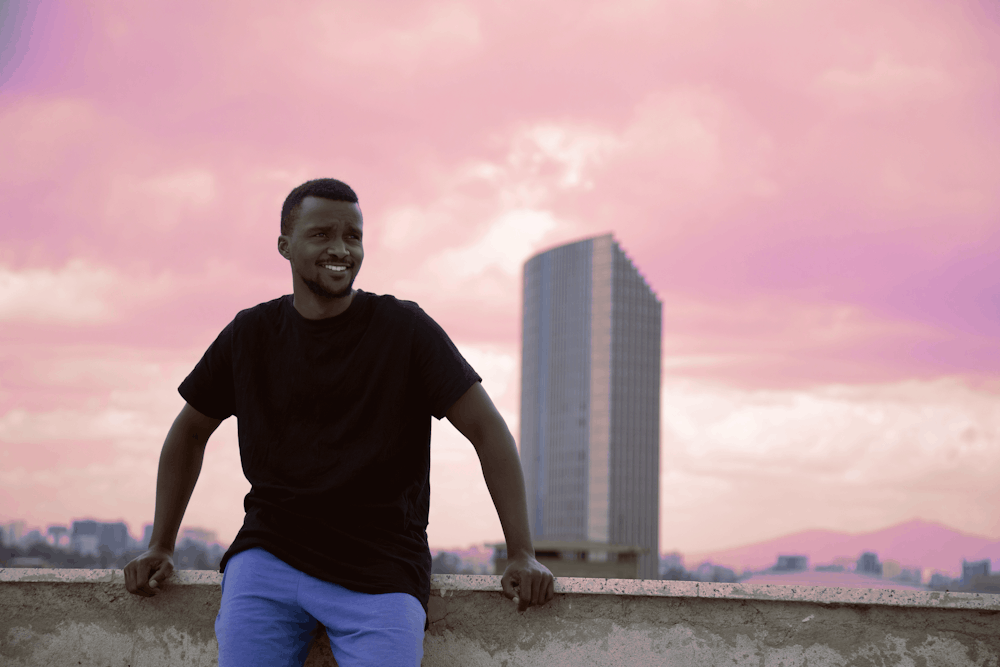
283, 247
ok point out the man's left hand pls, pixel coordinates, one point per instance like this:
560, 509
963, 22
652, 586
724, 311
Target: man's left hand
527, 581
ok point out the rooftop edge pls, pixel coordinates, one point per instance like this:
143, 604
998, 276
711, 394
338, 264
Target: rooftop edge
444, 585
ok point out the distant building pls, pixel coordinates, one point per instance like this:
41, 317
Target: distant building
708, 572
590, 400
58, 536
115, 537
85, 538
88, 536
973, 569
976, 578
791, 564
672, 565
13, 531
869, 564
198, 536
147, 535
833, 567
33, 537
580, 559
940, 581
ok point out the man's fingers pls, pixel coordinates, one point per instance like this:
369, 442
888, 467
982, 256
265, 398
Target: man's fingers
145, 575
537, 589
143, 585
129, 578
508, 586
159, 575
529, 584
529, 590
163, 571
135, 581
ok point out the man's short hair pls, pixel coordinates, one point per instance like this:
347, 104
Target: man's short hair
325, 188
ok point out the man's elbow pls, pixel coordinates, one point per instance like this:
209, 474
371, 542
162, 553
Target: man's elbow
496, 442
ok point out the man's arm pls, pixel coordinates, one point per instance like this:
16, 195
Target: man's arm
180, 464
475, 416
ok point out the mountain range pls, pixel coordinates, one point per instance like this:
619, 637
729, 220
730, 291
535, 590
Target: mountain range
916, 543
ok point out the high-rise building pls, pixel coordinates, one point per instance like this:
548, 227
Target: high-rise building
88, 536
13, 533
590, 398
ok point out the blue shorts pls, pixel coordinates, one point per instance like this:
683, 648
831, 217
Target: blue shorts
269, 610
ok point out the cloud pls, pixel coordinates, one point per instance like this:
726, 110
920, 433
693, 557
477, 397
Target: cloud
100, 457
883, 82
831, 428
159, 202
764, 340
841, 457
381, 39
39, 137
77, 293
500, 369
573, 149
507, 244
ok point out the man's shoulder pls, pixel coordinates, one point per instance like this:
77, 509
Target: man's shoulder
268, 311
396, 306
408, 317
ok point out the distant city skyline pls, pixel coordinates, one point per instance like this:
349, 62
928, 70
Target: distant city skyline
86, 535
887, 559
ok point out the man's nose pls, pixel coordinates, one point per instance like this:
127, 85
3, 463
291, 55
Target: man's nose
337, 248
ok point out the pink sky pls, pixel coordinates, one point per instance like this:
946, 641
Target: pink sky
812, 188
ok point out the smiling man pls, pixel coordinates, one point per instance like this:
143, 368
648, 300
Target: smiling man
333, 389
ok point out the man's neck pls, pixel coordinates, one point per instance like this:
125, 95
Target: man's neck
314, 307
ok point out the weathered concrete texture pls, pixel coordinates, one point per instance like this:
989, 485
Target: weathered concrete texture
85, 618
476, 628
747, 591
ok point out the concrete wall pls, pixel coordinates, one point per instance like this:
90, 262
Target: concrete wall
85, 618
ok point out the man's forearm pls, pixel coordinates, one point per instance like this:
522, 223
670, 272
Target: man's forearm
475, 416
505, 480
180, 465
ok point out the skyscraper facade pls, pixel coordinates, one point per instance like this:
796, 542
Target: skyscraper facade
590, 398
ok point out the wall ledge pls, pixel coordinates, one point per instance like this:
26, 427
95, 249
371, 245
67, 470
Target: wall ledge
446, 585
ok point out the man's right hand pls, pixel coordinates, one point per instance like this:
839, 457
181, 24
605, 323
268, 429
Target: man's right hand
144, 575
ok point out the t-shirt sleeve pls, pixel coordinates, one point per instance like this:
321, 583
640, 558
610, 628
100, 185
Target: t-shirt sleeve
444, 373
209, 388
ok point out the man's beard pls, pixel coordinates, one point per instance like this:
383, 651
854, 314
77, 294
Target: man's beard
324, 293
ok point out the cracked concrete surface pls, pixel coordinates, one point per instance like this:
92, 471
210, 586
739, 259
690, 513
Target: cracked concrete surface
85, 618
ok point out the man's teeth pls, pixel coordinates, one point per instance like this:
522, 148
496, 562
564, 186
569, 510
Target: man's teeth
334, 268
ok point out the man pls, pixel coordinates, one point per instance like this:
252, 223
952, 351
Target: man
333, 389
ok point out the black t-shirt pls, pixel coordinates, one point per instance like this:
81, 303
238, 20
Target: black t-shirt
334, 430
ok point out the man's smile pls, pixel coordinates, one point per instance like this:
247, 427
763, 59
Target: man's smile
336, 268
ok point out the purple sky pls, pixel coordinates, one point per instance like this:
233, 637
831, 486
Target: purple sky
812, 189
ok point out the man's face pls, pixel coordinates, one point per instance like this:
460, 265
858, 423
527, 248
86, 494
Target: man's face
324, 246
